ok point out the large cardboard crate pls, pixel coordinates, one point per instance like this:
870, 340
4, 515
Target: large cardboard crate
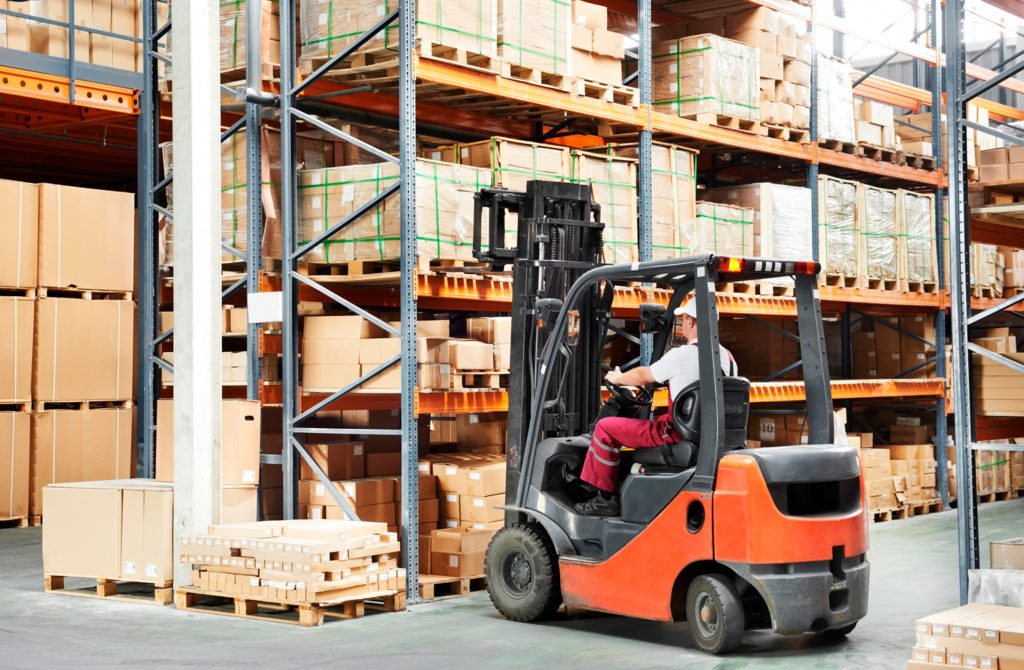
880, 233
239, 444
673, 196
997, 388
534, 34
838, 226
85, 350
17, 318
86, 239
917, 221
14, 464
612, 181
725, 230
116, 16
706, 74
19, 233
327, 27
444, 210
835, 100
233, 46
77, 445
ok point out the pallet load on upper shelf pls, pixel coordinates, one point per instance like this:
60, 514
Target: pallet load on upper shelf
761, 351
673, 196
977, 635
708, 78
839, 231
327, 27
835, 100
875, 125
612, 181
533, 38
781, 216
918, 253
880, 238
302, 563
122, 17
597, 52
723, 230
233, 36
444, 211
1002, 164
915, 132
997, 388
1013, 271
240, 455
881, 351
987, 270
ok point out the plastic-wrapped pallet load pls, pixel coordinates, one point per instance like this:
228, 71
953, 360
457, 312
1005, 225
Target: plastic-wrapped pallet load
835, 100
233, 34
880, 233
534, 34
674, 196
327, 27
706, 74
838, 222
723, 229
986, 268
444, 210
917, 221
613, 186
782, 219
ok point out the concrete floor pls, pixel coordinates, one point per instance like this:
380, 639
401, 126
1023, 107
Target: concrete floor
914, 565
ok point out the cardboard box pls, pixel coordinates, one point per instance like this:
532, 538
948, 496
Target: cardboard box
481, 508
589, 15
495, 329
14, 464
483, 480
383, 463
78, 446
17, 320
429, 511
86, 238
908, 435
342, 460
457, 565
85, 349
240, 442
470, 355
1007, 554
19, 230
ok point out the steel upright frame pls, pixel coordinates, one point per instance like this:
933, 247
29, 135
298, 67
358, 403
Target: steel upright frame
958, 94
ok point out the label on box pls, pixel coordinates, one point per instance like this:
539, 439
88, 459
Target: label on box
249, 476
766, 429
358, 450
151, 569
128, 568
451, 523
266, 306
320, 490
478, 502
453, 561
424, 468
451, 471
474, 475
451, 497
348, 192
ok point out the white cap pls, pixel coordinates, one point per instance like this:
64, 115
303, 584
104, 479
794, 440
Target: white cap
688, 309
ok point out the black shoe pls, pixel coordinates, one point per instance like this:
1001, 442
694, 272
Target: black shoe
598, 506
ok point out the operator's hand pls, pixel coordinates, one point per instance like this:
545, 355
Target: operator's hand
614, 376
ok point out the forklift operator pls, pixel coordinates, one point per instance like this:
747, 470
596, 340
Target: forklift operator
679, 368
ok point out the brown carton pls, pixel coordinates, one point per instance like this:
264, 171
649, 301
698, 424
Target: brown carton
1007, 554
86, 239
19, 231
481, 508
146, 534
342, 460
14, 464
239, 447
17, 318
457, 565
80, 445
85, 349
82, 535
483, 480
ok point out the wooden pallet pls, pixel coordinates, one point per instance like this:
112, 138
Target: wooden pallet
883, 284
46, 405
35, 519
786, 133
1010, 291
839, 145
841, 281
737, 287
377, 266
435, 587
922, 507
481, 381
985, 292
160, 593
725, 121
16, 406
996, 496
888, 514
279, 610
774, 290
459, 56
878, 153
267, 71
922, 287
15, 522
18, 292
82, 294
616, 93
533, 75
919, 161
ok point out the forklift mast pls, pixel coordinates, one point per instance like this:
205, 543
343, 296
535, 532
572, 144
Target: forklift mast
559, 237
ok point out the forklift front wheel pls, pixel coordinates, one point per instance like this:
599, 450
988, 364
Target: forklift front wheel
522, 573
714, 614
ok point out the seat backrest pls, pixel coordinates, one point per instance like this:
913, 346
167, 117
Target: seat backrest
686, 411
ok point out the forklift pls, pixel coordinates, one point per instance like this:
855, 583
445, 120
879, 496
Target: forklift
711, 533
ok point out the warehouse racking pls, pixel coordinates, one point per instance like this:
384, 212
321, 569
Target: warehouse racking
547, 112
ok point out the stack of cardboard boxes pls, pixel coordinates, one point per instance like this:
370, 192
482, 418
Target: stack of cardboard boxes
234, 364
879, 488
913, 470
987, 270
725, 230
915, 133
760, 351
875, 125
67, 274
1013, 267
1002, 164
597, 52
612, 180
977, 635
233, 35
882, 351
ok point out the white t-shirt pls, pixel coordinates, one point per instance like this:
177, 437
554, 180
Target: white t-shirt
680, 367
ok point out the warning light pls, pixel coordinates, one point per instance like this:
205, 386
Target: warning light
806, 268
730, 265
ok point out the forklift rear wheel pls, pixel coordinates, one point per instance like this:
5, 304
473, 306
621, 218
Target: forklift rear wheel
840, 633
714, 614
522, 573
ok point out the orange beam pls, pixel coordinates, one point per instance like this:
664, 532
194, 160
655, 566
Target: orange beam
999, 112
849, 389
36, 85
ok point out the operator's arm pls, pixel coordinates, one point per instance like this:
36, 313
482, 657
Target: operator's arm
637, 376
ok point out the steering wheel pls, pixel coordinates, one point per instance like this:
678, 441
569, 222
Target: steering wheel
641, 397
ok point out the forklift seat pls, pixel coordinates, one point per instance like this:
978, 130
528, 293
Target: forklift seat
686, 422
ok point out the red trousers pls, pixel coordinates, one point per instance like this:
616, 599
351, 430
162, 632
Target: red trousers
601, 467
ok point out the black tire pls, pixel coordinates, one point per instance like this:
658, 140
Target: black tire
522, 573
840, 633
714, 614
